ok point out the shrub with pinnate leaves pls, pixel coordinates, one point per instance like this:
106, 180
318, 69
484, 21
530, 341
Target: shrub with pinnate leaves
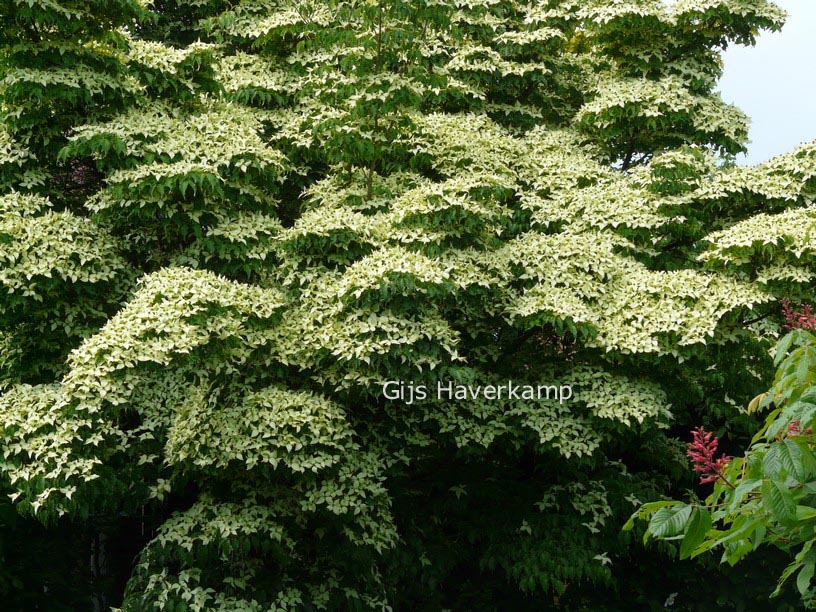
226, 224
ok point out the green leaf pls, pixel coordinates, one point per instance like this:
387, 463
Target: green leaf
809, 396
779, 501
805, 513
782, 348
759, 536
769, 421
741, 490
790, 456
668, 522
696, 531
803, 367
786, 573
804, 577
772, 462
646, 510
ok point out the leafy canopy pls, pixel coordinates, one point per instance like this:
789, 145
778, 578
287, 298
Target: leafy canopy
226, 224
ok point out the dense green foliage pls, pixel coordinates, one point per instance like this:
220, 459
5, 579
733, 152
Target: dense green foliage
768, 495
225, 225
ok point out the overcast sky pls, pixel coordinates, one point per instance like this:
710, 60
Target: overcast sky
775, 83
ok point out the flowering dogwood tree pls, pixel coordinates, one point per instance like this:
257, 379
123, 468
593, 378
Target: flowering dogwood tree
225, 225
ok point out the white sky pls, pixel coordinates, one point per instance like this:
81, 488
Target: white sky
775, 83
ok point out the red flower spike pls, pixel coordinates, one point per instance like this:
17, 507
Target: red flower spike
795, 429
798, 319
701, 451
